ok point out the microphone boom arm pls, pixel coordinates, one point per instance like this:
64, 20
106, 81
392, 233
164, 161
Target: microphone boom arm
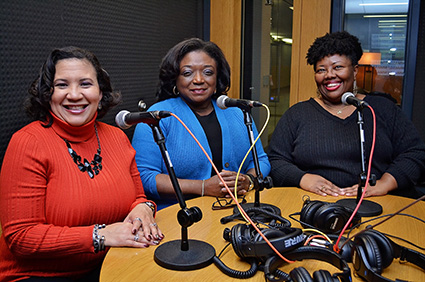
363, 173
262, 182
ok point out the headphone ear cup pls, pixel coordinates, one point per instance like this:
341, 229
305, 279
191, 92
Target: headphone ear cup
323, 276
239, 235
384, 245
300, 274
308, 211
346, 250
328, 218
371, 250
331, 217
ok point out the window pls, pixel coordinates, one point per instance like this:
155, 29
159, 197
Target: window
381, 26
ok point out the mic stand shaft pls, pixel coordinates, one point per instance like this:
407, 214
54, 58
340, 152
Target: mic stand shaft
367, 208
177, 255
260, 182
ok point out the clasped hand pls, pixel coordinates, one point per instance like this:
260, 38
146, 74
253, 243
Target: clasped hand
215, 187
138, 230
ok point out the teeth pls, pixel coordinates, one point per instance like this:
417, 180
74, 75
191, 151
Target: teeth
333, 84
75, 107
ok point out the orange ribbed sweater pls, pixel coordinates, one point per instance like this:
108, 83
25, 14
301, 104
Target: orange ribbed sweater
48, 207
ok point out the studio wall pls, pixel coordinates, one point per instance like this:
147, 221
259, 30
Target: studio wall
128, 37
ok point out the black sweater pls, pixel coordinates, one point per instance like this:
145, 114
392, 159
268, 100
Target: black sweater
308, 139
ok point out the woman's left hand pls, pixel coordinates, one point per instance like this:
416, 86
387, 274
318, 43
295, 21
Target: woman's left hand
142, 218
230, 179
384, 185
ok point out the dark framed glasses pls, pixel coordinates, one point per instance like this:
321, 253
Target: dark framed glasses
226, 203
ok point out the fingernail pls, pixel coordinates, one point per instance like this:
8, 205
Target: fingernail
155, 242
134, 231
146, 245
156, 236
150, 237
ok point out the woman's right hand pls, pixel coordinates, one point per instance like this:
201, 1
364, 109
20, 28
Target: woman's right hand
320, 185
120, 234
215, 187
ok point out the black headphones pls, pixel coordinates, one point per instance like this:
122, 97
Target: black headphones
300, 274
247, 242
373, 252
327, 217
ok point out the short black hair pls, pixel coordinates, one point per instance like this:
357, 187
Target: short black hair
170, 67
341, 43
37, 104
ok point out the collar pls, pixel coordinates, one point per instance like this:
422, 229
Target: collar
73, 133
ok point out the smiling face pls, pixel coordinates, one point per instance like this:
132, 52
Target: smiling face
76, 93
197, 79
334, 76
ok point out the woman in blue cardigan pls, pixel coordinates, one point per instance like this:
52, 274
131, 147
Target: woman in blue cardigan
192, 75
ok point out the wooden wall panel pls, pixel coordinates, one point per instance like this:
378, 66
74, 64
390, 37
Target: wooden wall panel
225, 31
311, 20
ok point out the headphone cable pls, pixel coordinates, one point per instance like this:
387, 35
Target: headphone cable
379, 223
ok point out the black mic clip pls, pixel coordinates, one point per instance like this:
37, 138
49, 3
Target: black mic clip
372, 179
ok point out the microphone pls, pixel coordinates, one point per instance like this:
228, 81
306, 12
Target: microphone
224, 102
124, 119
348, 98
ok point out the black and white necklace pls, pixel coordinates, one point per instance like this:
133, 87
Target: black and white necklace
95, 166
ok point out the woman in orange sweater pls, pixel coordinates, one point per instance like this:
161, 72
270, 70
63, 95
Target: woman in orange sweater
69, 184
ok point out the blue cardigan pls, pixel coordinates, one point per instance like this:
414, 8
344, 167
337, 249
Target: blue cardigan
189, 162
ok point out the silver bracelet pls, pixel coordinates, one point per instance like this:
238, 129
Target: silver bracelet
203, 187
151, 206
98, 241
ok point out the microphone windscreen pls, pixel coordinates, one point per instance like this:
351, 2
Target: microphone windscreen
120, 119
345, 97
221, 102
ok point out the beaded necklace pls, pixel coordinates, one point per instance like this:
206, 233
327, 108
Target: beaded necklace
95, 166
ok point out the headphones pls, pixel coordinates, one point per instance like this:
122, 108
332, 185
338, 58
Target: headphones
248, 243
327, 217
263, 214
373, 252
300, 274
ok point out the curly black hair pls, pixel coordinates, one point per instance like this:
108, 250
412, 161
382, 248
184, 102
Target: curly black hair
341, 43
37, 105
170, 67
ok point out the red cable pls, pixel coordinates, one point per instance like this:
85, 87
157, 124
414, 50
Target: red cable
366, 184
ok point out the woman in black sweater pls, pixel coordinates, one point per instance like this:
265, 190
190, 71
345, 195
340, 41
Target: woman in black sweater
315, 145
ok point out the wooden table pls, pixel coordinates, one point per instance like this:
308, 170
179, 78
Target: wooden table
130, 264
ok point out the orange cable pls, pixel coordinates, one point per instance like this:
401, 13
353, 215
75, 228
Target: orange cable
230, 192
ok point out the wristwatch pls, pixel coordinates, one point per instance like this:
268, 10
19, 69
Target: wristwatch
151, 206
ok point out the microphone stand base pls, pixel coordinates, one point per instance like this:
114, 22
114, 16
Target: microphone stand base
366, 209
199, 255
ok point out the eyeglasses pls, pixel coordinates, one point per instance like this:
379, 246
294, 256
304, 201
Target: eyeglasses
226, 203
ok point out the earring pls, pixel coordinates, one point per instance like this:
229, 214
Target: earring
175, 91
355, 89
99, 107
